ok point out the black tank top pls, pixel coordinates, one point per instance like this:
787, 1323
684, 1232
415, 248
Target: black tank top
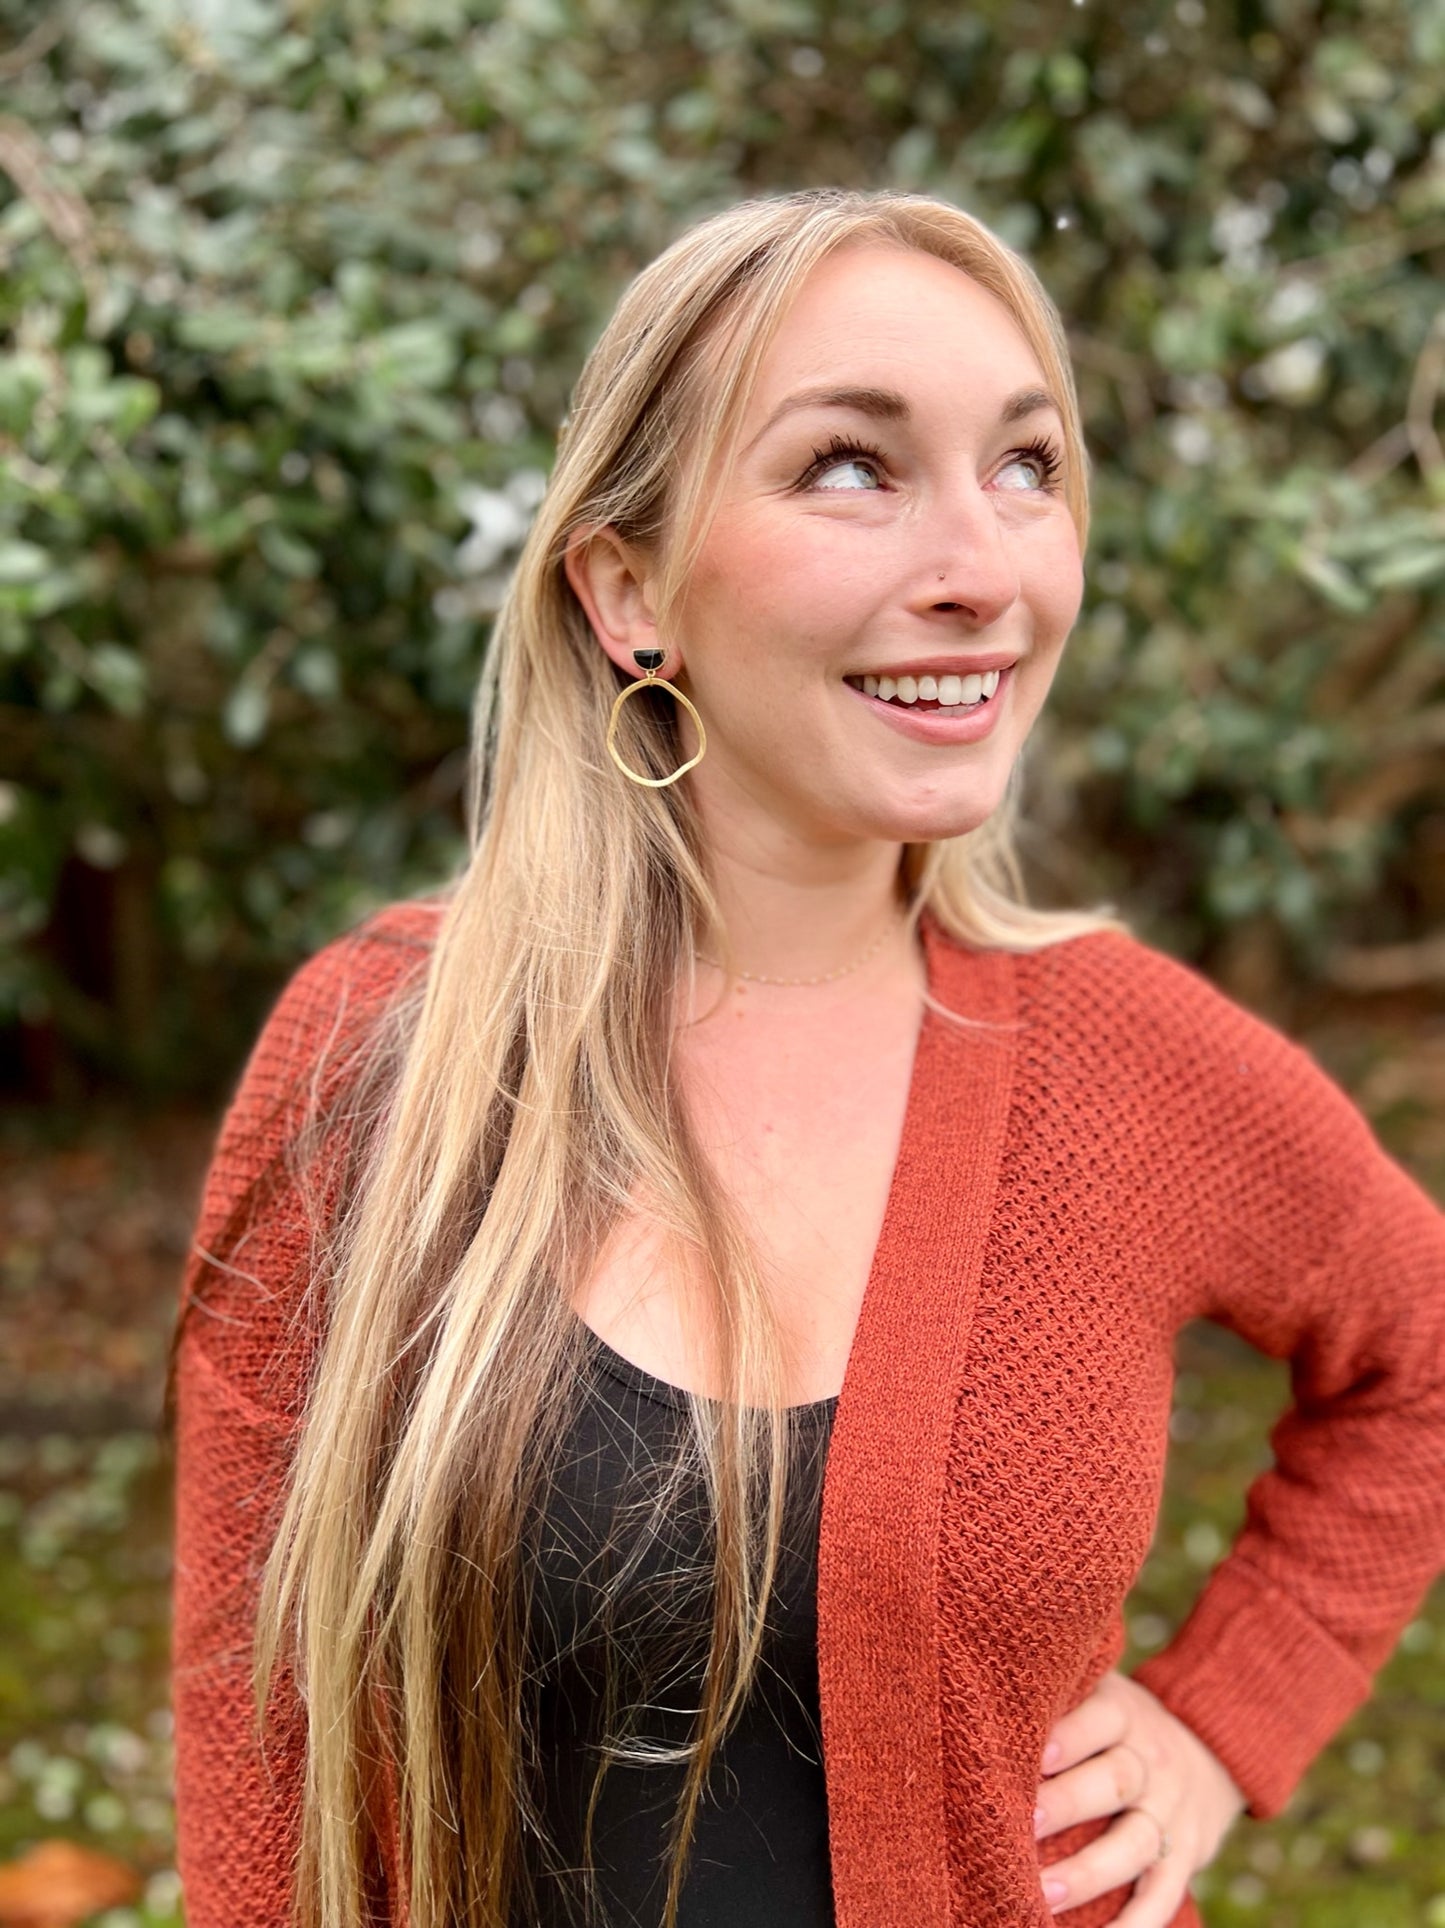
760, 1847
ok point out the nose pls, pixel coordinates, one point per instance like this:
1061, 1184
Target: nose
970, 566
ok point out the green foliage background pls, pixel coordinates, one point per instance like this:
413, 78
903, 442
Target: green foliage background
293, 293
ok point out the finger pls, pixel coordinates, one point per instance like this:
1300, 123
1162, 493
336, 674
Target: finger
1121, 1854
1096, 1723
1103, 1784
1158, 1895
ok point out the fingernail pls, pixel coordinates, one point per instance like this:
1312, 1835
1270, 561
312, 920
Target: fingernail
1054, 1892
1051, 1755
1039, 1818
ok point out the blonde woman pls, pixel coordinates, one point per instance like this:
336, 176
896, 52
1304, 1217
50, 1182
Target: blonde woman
673, 1382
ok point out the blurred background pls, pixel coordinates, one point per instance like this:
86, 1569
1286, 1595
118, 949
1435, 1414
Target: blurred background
292, 293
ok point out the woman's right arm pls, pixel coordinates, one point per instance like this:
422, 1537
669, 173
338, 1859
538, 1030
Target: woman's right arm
242, 1358
237, 1804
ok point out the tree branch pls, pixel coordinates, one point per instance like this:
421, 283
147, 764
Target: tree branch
37, 43
1388, 967
1425, 385
68, 218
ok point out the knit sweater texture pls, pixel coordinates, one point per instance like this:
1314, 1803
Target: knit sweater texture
1108, 1149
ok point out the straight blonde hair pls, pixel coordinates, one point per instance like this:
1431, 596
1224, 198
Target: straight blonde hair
521, 1098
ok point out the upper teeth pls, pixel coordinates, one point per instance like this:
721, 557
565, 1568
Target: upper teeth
950, 691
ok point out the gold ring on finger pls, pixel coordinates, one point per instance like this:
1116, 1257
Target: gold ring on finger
1164, 1842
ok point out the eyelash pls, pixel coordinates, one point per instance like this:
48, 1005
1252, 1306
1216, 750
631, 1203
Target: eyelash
840, 448
1046, 455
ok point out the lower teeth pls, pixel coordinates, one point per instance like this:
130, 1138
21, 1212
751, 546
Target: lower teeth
938, 709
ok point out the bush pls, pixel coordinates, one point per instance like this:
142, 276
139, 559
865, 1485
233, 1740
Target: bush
292, 299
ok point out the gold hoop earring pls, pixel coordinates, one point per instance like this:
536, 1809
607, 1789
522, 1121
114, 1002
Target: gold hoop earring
650, 661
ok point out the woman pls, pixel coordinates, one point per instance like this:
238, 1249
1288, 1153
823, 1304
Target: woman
731, 1117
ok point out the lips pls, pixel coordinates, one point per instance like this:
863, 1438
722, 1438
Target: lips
952, 664
928, 721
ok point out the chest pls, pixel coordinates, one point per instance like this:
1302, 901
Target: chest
801, 1126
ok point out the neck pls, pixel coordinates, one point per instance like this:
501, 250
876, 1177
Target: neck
793, 919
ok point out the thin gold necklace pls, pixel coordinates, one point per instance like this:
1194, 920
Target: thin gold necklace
755, 977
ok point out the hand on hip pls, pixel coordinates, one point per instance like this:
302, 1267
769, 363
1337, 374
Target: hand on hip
1122, 1752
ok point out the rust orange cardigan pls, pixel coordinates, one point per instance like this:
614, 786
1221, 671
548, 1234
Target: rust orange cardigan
1109, 1150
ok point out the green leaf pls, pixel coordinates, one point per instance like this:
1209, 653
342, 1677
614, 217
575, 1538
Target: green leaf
24, 378
246, 714
1333, 581
217, 330
287, 552
22, 563
419, 354
1409, 568
317, 671
134, 403
120, 676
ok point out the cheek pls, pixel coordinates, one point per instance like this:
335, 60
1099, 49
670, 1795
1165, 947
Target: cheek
1055, 586
736, 574
755, 586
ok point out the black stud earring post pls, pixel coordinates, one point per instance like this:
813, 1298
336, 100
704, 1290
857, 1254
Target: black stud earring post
649, 660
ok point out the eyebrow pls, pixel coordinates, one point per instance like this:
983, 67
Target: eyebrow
887, 405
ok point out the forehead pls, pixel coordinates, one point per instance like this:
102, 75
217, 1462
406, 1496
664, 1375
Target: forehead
890, 315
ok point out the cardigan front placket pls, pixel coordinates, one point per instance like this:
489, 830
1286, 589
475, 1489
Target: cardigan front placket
878, 1646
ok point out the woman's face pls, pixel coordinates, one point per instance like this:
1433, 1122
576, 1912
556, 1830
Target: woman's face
895, 510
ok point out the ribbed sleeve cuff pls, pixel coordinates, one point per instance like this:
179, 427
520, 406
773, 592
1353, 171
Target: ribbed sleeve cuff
1263, 1685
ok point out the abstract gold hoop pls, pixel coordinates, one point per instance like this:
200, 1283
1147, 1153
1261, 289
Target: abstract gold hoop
650, 661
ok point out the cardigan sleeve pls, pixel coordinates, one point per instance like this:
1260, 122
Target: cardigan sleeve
237, 1798
241, 1357
1337, 1263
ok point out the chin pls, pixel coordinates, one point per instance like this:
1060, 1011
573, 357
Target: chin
947, 814
941, 830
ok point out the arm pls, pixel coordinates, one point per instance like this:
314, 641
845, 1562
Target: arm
1292, 1227
244, 1345
237, 1805
1283, 1219
1345, 1532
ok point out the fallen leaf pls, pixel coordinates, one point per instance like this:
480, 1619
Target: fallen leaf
57, 1884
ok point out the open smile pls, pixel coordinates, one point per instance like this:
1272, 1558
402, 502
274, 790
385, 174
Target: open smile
919, 706
930, 692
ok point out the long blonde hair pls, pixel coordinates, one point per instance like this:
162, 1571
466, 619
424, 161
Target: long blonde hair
518, 1097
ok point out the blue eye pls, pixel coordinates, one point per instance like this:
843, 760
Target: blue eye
1042, 458
836, 468
840, 456
1025, 469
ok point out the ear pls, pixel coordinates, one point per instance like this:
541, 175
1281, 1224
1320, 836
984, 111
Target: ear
613, 582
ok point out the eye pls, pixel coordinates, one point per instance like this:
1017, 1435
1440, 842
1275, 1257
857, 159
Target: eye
1040, 459
839, 459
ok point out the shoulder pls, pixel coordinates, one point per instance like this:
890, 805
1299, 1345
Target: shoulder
1115, 966
285, 1127
367, 965
330, 1006
1178, 1060
1113, 992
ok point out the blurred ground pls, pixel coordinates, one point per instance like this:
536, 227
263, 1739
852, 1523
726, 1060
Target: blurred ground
95, 1216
